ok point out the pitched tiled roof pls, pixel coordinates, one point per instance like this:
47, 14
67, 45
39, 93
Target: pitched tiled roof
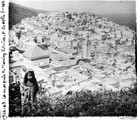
35, 52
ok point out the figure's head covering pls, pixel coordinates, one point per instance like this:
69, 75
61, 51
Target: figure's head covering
29, 71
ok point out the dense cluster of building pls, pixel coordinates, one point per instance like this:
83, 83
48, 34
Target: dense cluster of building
73, 51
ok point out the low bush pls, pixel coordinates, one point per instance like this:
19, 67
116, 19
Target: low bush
83, 103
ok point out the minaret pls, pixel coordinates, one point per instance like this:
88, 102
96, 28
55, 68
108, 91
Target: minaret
121, 33
87, 48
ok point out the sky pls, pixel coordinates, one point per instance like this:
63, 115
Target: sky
96, 6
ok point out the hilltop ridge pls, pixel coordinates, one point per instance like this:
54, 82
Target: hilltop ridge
18, 12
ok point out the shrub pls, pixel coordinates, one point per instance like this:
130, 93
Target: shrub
83, 103
14, 100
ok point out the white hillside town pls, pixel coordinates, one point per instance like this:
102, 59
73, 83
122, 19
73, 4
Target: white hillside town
72, 51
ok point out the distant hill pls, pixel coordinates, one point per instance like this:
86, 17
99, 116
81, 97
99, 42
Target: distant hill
18, 12
128, 20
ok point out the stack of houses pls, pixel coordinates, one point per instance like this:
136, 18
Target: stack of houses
98, 49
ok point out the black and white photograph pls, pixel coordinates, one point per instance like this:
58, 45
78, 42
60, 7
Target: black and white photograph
72, 58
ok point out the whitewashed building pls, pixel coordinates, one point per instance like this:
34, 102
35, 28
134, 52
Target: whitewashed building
36, 56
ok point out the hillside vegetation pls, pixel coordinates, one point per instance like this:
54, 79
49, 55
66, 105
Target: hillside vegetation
82, 103
18, 12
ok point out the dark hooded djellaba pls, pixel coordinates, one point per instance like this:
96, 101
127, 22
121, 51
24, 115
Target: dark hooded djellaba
30, 81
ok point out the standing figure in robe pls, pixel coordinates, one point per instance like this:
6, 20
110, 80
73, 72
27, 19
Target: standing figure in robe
31, 82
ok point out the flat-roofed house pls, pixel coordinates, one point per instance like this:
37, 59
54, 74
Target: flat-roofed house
36, 56
64, 43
